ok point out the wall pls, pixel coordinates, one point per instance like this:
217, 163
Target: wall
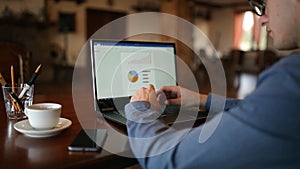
78, 38
221, 29
203, 26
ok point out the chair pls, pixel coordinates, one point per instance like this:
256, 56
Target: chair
266, 59
14, 54
233, 68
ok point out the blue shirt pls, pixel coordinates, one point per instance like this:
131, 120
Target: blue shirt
261, 131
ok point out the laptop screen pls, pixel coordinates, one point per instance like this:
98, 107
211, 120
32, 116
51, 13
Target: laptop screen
122, 68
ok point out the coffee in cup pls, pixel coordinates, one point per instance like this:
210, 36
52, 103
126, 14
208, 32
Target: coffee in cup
43, 116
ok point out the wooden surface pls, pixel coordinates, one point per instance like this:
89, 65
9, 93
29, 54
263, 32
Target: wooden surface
20, 151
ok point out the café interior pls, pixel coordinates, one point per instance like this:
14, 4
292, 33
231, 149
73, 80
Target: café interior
53, 32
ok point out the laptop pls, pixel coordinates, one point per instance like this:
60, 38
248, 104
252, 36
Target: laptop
120, 68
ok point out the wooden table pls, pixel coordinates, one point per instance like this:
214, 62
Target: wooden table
20, 151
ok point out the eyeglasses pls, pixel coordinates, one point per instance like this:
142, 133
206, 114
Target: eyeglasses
258, 6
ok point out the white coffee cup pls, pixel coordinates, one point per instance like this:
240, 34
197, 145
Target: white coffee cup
43, 116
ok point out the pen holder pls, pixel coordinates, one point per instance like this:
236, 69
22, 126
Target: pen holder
14, 106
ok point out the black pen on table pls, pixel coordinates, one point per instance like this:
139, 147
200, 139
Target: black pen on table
30, 82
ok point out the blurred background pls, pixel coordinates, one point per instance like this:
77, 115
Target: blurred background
52, 32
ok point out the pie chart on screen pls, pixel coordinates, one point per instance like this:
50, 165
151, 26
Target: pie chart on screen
133, 76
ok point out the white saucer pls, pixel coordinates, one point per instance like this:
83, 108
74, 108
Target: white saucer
25, 128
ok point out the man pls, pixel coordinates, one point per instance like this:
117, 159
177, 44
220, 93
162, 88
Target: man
261, 131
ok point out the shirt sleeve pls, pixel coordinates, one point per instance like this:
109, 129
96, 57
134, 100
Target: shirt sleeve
216, 100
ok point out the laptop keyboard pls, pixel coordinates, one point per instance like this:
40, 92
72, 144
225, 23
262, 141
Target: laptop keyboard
121, 112
168, 116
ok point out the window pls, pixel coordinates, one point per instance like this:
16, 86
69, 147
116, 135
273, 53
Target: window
249, 34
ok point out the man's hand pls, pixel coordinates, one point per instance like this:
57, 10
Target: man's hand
177, 95
147, 94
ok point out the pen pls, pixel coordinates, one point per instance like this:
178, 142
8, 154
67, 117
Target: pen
17, 104
31, 81
12, 75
